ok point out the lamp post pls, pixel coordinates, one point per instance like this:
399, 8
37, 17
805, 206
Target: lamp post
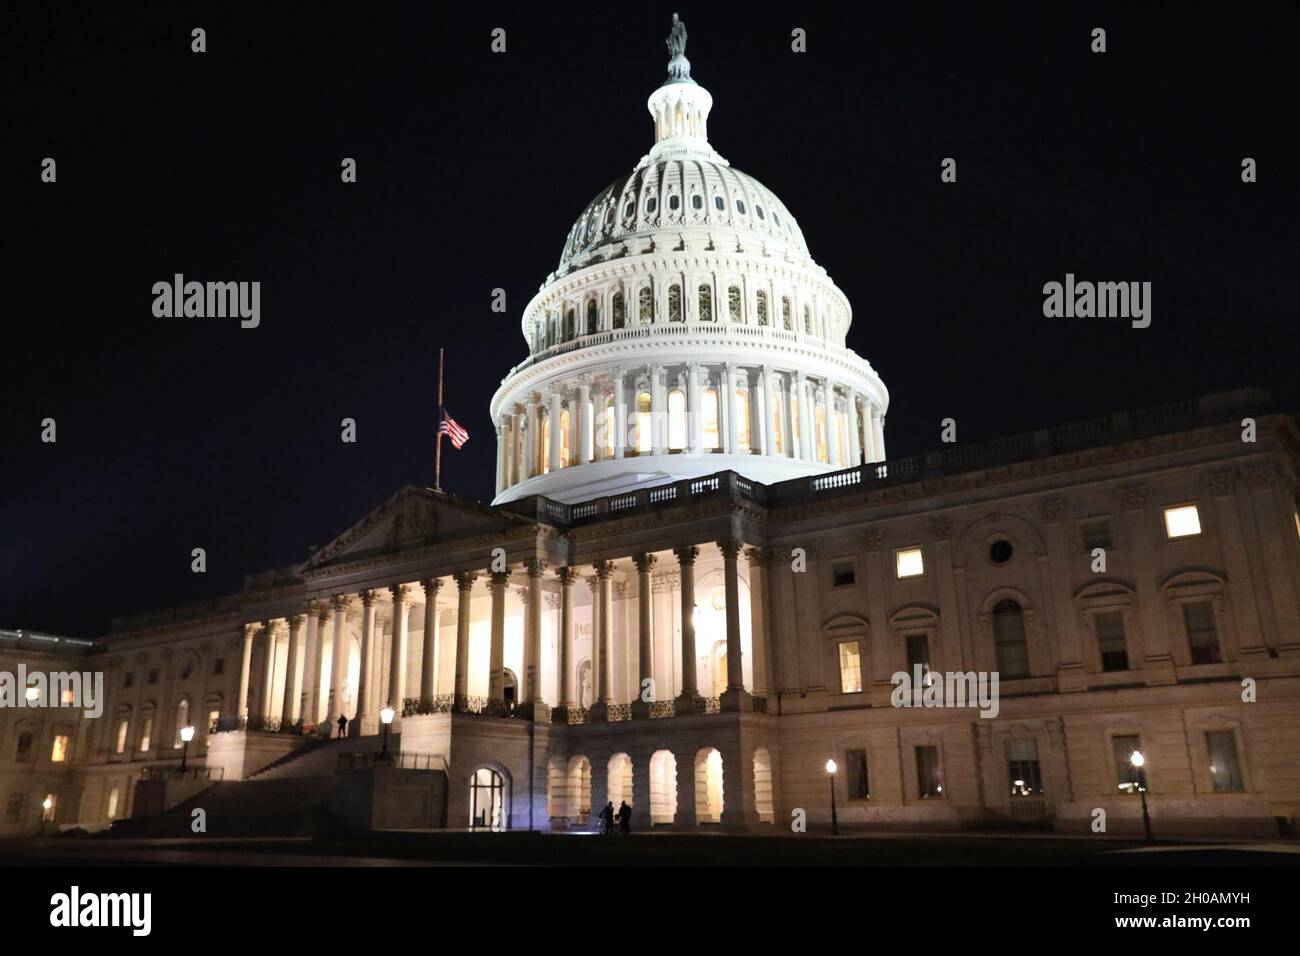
1140, 780
187, 734
47, 803
830, 775
386, 718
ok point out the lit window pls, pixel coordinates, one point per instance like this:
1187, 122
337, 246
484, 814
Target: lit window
113, 796
744, 441
1023, 770
643, 439
1182, 522
676, 419
709, 419
1225, 772
850, 668
146, 734
68, 696
213, 717
908, 563
59, 752
123, 727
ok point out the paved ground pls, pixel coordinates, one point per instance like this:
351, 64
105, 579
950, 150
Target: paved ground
660, 849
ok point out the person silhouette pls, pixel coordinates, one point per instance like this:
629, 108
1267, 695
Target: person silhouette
624, 817
607, 818
343, 726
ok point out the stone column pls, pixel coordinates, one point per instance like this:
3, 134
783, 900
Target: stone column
339, 662
645, 563
362, 721
807, 443
292, 686
556, 436
832, 433
397, 653
695, 439
429, 650
566, 576
246, 663
766, 427
604, 636
732, 438
620, 413
759, 615
583, 449
686, 555
532, 438
266, 704
501, 456
878, 432
496, 661
854, 429
735, 697
593, 585
465, 586
532, 690
658, 409
317, 617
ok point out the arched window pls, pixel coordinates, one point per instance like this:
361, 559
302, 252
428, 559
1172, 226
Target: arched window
1009, 639
651, 204
674, 201
487, 800
733, 303
565, 451
182, 720
719, 203
676, 419
674, 303
646, 305
146, 728
787, 320
697, 201
759, 210
761, 307
591, 317
743, 438
709, 418
568, 325
740, 206
618, 310
706, 303
807, 319
643, 438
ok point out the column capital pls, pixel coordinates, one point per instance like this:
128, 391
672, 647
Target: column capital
730, 548
760, 557
368, 598
399, 593
603, 569
619, 373
250, 628
644, 561
295, 620
498, 579
686, 554
535, 567
341, 602
431, 587
567, 575
465, 579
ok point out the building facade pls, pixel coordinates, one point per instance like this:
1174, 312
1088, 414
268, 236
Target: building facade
702, 576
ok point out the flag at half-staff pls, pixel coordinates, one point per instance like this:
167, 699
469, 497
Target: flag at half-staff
453, 430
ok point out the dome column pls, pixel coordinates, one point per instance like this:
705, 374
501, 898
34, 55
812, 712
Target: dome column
620, 413
764, 400
805, 417
696, 437
878, 431
530, 439
501, 455
584, 413
658, 408
556, 436
832, 433
731, 423
855, 449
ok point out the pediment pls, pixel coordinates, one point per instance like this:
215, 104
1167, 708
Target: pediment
414, 517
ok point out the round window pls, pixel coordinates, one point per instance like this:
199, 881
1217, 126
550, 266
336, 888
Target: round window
1000, 552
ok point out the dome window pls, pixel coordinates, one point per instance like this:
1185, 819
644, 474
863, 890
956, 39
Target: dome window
719, 203
618, 310
646, 305
706, 304
697, 202
674, 303
628, 210
733, 303
759, 210
776, 219
674, 202
762, 307
651, 204
740, 206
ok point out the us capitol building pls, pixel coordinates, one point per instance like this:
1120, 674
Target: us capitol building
698, 577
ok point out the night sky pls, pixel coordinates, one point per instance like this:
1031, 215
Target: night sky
192, 432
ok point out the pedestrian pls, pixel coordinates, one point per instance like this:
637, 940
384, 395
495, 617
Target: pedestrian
624, 817
607, 818
343, 726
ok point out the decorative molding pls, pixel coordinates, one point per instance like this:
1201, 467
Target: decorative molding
1051, 508
1132, 496
872, 538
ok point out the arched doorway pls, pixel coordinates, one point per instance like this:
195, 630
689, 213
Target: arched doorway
509, 688
620, 780
578, 796
708, 786
487, 800
763, 786
718, 664
663, 787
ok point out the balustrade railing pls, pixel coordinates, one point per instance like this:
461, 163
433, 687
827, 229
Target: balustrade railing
399, 761
176, 773
256, 724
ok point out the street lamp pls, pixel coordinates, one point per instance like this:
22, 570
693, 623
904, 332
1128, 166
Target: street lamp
386, 718
187, 734
47, 803
830, 775
1140, 779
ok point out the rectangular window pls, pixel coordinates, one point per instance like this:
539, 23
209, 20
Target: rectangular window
23, 752
908, 563
213, 717
128, 679
123, 726
14, 808
219, 666
855, 768
153, 675
1023, 771
1110, 640
918, 652
929, 780
1225, 772
1183, 521
1123, 747
1202, 632
59, 752
850, 668
843, 575
1096, 534
113, 796
146, 733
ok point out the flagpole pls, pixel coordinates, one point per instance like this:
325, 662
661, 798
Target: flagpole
437, 454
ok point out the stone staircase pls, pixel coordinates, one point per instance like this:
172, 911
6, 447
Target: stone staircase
287, 798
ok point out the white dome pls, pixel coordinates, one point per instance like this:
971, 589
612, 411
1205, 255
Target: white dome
686, 331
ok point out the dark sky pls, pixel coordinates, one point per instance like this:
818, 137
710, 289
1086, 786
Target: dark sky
186, 432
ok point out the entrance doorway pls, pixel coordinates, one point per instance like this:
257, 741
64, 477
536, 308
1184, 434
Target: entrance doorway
486, 800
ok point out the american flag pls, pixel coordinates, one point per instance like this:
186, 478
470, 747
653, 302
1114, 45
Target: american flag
452, 429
